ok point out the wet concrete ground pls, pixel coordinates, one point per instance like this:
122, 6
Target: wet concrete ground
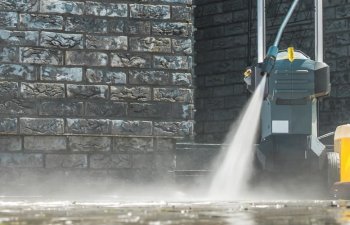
34, 212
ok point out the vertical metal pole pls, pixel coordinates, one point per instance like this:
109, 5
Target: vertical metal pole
261, 30
319, 30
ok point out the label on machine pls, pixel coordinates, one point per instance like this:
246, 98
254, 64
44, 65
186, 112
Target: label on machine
280, 126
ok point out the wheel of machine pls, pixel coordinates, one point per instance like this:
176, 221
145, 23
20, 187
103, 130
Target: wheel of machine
333, 174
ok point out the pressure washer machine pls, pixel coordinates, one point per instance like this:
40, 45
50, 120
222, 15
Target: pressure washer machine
295, 82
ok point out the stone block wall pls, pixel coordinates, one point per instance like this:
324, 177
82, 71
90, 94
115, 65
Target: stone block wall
95, 85
226, 44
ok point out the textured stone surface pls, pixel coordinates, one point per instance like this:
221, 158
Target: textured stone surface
87, 91
88, 126
150, 44
8, 90
83, 24
138, 27
41, 126
53, 73
182, 79
86, 58
14, 106
45, 143
150, 110
130, 93
66, 161
173, 128
173, 94
149, 77
62, 7
106, 109
142, 128
106, 9
8, 126
59, 108
174, 29
21, 160
172, 62
8, 54
131, 60
150, 11
143, 161
10, 143
165, 144
183, 46
42, 90
9, 19
107, 42
40, 21
110, 161
16, 72
105, 76
41, 56
129, 145
12, 38
20, 5
61, 40
89, 144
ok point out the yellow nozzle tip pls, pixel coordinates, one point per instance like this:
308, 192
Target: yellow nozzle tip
247, 73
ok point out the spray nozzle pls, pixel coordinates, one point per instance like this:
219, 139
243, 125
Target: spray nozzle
269, 61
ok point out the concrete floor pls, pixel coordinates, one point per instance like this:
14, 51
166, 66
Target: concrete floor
35, 212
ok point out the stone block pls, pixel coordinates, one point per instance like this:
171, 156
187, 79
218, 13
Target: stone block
12, 38
150, 44
42, 90
21, 160
8, 90
41, 126
54, 73
14, 106
106, 9
150, 11
116, 26
110, 161
61, 40
9, 19
10, 143
142, 77
150, 110
41, 56
88, 126
132, 145
182, 79
171, 29
20, 5
141, 128
165, 144
62, 7
40, 21
130, 60
45, 143
89, 144
173, 128
106, 109
8, 54
87, 91
86, 58
66, 161
105, 76
183, 13
8, 126
122, 93
138, 27
107, 42
172, 62
182, 46
173, 95
59, 108
182, 111
16, 72
143, 161
83, 24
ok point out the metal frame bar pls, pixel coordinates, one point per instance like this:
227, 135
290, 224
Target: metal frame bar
261, 30
319, 30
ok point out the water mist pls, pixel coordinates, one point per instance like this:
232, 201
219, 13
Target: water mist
234, 166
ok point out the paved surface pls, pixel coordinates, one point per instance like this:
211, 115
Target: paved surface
166, 213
